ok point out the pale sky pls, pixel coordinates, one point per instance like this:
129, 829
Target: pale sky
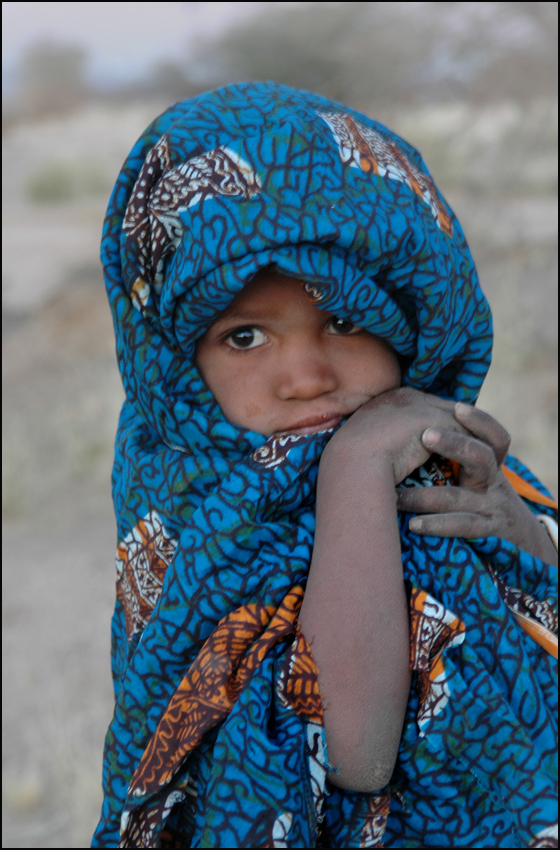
123, 39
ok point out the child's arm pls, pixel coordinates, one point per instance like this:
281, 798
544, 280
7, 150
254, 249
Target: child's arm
355, 609
354, 612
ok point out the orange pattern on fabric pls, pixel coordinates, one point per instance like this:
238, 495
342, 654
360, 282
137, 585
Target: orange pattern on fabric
208, 692
368, 162
541, 635
432, 630
455, 472
523, 488
385, 151
301, 684
375, 820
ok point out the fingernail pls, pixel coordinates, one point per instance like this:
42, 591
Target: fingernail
431, 437
415, 524
463, 409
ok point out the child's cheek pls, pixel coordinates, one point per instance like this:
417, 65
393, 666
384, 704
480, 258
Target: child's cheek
239, 393
253, 410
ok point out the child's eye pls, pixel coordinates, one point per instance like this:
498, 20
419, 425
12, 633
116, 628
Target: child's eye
243, 338
341, 326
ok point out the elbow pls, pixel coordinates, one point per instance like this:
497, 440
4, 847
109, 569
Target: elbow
365, 779
362, 746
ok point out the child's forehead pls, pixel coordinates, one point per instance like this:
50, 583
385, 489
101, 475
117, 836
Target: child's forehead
268, 293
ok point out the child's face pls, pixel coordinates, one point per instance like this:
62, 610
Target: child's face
274, 362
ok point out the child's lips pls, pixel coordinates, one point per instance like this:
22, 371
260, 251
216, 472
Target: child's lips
314, 424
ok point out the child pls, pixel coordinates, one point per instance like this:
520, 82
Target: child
298, 659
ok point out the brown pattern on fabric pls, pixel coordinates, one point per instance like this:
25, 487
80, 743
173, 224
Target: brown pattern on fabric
138, 828
432, 630
301, 680
213, 683
161, 192
375, 820
543, 611
275, 450
364, 148
436, 472
142, 560
538, 618
444, 471
184, 806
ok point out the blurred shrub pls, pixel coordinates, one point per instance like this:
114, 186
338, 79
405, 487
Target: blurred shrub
52, 78
56, 182
376, 52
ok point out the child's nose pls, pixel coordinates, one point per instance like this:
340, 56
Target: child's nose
304, 373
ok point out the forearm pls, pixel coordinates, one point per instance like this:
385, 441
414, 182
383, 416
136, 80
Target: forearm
355, 616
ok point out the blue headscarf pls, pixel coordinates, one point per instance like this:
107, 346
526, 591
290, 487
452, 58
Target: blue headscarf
217, 737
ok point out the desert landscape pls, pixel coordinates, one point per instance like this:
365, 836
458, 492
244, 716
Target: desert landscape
495, 162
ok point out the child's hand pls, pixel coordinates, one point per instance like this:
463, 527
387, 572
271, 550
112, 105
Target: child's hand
484, 504
389, 429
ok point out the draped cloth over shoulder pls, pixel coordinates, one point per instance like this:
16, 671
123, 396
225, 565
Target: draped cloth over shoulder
217, 737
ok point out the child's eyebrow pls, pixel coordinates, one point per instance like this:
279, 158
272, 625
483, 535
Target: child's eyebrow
243, 315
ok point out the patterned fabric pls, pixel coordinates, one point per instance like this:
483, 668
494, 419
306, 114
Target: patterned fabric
217, 737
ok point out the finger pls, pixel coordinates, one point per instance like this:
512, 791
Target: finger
485, 427
477, 459
427, 500
452, 525
426, 404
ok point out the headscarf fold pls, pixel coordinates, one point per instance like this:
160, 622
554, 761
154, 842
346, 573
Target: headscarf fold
217, 737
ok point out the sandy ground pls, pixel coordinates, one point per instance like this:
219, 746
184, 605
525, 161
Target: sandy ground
62, 395
58, 593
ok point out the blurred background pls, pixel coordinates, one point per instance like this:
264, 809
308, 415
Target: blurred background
472, 85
